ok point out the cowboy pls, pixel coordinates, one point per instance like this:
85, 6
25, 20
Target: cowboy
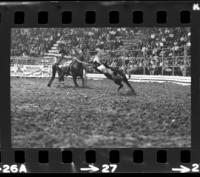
96, 59
114, 64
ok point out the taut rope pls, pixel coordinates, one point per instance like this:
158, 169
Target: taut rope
82, 61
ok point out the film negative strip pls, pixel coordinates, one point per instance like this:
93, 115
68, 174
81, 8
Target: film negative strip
126, 93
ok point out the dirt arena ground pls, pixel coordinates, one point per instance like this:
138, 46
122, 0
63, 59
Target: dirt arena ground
97, 116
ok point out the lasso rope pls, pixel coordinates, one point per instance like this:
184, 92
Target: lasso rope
81, 61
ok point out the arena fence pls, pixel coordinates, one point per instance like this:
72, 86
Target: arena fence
170, 62
149, 78
25, 66
41, 71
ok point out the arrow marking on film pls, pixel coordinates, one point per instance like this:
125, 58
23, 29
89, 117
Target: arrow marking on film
91, 168
182, 169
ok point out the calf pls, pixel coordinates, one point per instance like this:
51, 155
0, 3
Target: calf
113, 74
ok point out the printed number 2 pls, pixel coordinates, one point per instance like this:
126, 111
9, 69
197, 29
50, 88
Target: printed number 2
6, 169
195, 167
109, 168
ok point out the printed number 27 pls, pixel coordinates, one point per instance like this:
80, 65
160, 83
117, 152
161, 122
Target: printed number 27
107, 168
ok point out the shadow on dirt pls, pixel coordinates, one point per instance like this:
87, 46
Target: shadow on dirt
126, 93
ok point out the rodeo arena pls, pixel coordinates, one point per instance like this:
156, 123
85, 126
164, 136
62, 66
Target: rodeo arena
100, 87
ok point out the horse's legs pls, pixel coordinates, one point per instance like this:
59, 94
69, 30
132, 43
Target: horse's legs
120, 86
84, 77
129, 85
54, 68
83, 81
118, 82
75, 82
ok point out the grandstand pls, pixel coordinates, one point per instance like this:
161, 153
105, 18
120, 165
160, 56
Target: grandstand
147, 49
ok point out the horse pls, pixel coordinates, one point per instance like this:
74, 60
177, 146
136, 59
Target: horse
75, 69
114, 74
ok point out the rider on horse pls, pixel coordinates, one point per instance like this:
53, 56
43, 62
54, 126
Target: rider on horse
74, 68
63, 57
79, 53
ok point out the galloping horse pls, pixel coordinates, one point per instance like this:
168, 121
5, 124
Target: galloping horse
113, 74
75, 69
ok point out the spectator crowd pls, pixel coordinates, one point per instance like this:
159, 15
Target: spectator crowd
32, 41
143, 47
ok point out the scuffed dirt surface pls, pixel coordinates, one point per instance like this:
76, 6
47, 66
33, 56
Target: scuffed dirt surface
97, 116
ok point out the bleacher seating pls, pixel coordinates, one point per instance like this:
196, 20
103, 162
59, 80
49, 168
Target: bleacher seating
142, 46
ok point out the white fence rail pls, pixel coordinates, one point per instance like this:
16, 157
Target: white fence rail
30, 71
40, 71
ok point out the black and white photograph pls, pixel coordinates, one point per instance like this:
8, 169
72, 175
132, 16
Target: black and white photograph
106, 87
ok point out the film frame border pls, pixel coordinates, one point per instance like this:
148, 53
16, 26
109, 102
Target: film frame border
149, 10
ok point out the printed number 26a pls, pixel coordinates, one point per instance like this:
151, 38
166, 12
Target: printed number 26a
107, 168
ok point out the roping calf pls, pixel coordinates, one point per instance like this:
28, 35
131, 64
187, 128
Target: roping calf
114, 74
